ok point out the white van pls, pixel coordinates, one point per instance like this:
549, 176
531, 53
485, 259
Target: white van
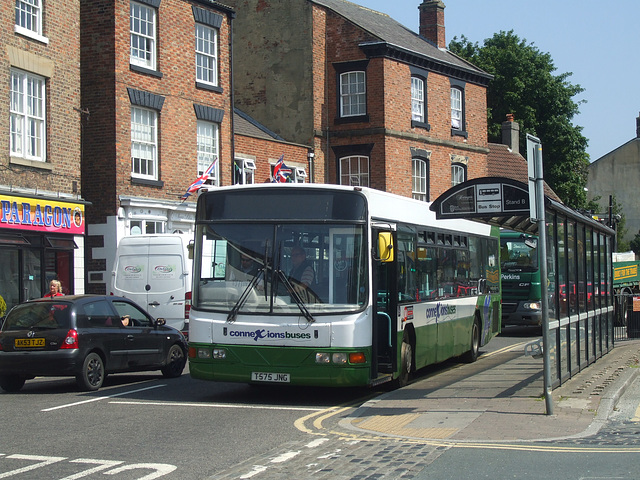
155, 272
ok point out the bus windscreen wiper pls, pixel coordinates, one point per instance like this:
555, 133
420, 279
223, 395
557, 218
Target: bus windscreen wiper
295, 296
243, 298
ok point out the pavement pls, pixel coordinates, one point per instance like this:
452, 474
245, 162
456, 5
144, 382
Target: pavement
493, 400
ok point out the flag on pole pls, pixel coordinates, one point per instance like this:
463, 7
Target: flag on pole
280, 171
199, 182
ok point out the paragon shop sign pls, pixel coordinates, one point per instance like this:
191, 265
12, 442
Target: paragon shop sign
41, 215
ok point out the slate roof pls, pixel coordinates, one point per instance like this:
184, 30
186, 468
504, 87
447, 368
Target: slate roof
243, 124
401, 42
503, 162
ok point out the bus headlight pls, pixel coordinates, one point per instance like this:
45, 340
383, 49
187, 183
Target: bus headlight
203, 353
339, 358
322, 357
219, 353
532, 306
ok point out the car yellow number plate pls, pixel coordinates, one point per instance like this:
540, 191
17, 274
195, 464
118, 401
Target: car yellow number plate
29, 342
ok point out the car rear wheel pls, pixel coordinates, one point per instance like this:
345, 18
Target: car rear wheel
92, 375
175, 362
11, 383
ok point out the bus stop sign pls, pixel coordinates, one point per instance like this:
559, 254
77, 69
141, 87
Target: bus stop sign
483, 197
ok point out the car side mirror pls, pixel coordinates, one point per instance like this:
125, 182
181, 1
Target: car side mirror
160, 321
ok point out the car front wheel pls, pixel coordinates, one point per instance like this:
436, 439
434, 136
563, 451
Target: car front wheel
175, 362
11, 383
92, 374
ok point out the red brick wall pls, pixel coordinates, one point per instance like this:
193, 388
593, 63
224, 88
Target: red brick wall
389, 110
266, 152
108, 143
61, 28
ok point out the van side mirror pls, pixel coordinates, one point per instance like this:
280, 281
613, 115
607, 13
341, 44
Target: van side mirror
190, 246
385, 247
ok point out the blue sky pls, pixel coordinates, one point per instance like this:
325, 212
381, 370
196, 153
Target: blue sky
597, 41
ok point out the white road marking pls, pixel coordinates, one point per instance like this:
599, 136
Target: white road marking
96, 399
282, 458
217, 405
285, 457
108, 467
256, 470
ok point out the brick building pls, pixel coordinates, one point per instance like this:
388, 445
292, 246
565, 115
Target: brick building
258, 147
380, 105
157, 89
42, 224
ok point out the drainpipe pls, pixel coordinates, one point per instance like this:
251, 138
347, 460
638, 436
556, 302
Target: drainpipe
310, 156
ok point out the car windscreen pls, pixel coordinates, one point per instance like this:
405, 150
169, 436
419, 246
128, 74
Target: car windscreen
40, 315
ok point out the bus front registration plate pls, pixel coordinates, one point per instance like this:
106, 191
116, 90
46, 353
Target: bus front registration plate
270, 377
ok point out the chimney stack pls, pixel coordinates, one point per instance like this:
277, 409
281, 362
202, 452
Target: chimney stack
432, 22
638, 126
511, 134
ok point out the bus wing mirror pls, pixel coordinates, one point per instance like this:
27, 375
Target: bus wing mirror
385, 247
190, 246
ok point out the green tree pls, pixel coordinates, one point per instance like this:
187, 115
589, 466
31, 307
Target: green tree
525, 85
635, 244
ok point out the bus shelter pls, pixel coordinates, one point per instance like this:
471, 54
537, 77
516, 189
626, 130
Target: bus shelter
579, 266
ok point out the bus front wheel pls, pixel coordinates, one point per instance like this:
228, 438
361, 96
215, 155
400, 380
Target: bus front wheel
406, 363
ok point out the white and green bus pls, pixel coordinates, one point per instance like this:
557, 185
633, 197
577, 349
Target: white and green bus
384, 289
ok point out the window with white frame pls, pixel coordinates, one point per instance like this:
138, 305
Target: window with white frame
143, 35
139, 227
27, 130
458, 173
208, 150
353, 98
144, 143
419, 180
456, 109
299, 174
354, 171
244, 171
29, 16
417, 99
206, 54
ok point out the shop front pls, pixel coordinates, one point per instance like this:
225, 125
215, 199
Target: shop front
41, 239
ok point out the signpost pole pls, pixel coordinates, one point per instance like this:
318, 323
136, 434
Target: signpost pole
538, 214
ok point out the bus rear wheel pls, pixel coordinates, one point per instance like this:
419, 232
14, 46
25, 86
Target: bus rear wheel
472, 355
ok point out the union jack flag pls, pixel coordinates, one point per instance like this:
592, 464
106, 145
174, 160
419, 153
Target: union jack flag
280, 171
198, 182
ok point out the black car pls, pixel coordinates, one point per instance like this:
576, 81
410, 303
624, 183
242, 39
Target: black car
84, 336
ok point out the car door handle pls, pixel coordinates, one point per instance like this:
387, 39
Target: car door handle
130, 337
154, 304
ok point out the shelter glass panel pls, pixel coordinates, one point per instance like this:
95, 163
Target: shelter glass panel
563, 304
552, 294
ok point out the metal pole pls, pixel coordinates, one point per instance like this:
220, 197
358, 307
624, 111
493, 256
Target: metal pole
542, 262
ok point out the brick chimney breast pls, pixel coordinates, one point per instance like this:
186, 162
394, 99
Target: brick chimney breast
432, 22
